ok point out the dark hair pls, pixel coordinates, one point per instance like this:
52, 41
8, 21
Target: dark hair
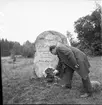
51, 48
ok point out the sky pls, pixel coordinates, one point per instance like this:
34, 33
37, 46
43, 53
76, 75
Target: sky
22, 20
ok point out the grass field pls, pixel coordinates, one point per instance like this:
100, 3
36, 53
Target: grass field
20, 86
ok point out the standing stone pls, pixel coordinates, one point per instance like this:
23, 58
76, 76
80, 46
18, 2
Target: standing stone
43, 58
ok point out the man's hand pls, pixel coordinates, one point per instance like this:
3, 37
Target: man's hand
44, 74
55, 71
77, 66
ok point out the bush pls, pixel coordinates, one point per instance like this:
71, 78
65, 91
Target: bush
28, 49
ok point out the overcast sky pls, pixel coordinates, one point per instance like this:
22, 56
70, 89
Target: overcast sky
22, 20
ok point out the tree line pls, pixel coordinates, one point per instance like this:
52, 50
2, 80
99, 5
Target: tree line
14, 48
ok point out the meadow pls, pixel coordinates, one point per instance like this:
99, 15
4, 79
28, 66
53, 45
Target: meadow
20, 85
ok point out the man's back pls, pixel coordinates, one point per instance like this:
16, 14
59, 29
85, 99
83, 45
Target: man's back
78, 53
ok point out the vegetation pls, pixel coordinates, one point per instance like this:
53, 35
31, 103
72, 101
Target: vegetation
6, 47
89, 32
72, 40
21, 87
14, 48
28, 49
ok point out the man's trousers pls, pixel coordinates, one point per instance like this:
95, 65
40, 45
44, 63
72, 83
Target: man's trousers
67, 79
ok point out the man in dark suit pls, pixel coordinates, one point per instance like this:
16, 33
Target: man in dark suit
72, 59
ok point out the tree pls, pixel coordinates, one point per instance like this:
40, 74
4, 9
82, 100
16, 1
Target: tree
4, 47
28, 49
16, 48
71, 39
69, 36
88, 29
8, 47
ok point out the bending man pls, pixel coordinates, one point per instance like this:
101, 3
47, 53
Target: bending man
72, 59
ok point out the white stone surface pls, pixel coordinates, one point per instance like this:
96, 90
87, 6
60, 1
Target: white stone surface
43, 58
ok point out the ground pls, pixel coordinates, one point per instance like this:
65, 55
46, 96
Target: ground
20, 86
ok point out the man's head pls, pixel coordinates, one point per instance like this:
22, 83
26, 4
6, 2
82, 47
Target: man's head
53, 49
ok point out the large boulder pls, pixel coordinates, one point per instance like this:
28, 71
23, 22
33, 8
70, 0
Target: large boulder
43, 58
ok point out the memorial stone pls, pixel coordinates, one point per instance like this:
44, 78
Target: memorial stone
43, 59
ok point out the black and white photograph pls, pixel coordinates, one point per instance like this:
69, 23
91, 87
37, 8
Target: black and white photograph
51, 51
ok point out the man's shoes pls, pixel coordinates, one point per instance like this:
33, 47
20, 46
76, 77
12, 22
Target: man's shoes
85, 95
67, 86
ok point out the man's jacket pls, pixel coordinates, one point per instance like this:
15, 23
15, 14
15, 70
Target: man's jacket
71, 56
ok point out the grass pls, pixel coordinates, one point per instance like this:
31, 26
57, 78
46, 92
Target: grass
20, 86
